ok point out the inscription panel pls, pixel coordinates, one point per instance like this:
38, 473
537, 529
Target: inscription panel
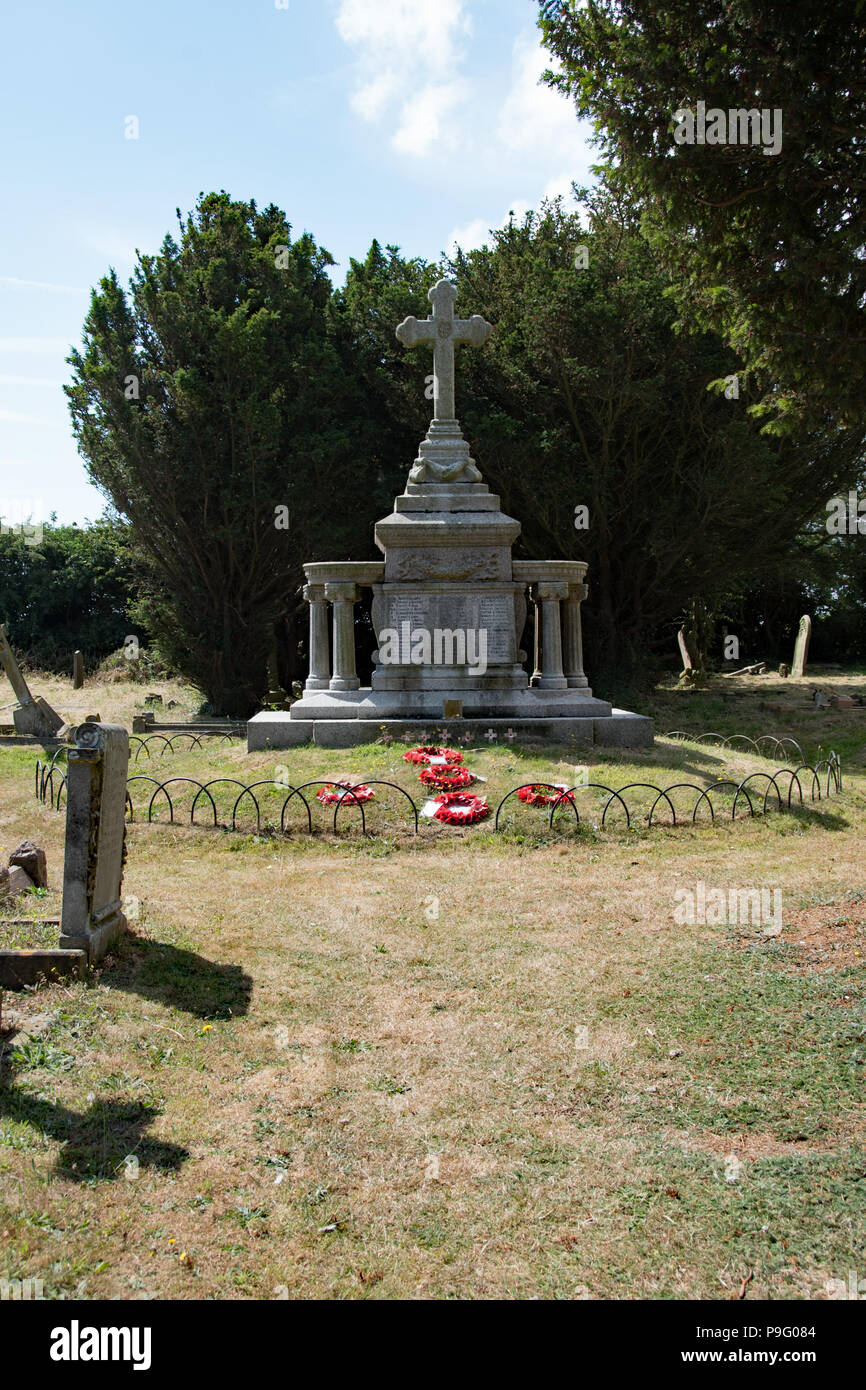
493, 613
112, 806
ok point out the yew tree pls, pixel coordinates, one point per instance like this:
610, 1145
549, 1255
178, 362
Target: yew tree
586, 396
769, 249
216, 408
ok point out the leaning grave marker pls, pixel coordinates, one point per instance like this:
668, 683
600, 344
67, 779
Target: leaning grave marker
32, 716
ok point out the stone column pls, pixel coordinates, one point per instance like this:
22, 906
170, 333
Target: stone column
320, 656
552, 676
573, 636
343, 597
536, 636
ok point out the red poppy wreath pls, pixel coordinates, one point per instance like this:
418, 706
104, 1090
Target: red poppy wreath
541, 794
336, 791
425, 753
447, 779
460, 808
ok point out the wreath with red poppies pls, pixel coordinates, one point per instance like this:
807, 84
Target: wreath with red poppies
446, 778
540, 794
337, 791
426, 752
460, 808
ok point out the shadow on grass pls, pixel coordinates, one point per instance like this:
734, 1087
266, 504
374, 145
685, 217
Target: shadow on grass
179, 979
106, 1142
815, 815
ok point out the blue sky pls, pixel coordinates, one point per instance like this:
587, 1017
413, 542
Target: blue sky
414, 121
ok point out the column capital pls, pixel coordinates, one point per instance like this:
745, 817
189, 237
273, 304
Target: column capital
552, 589
578, 592
341, 590
314, 593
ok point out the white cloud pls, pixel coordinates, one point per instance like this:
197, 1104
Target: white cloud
501, 132
478, 233
560, 187
421, 120
471, 237
372, 100
114, 243
395, 41
56, 383
14, 282
15, 417
46, 346
533, 117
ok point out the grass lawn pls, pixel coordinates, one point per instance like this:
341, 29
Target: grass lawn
458, 1065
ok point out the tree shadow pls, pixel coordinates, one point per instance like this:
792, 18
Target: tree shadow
813, 813
179, 979
106, 1142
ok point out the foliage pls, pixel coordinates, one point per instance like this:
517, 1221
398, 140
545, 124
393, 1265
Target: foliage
766, 249
70, 592
586, 395
211, 395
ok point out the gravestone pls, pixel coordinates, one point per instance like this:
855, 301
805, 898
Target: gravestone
31, 716
801, 646
32, 859
77, 671
684, 651
92, 917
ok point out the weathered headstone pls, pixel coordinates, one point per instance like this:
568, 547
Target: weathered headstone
31, 716
92, 915
19, 880
77, 670
32, 860
684, 651
801, 646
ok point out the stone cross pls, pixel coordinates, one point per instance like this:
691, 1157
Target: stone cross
444, 331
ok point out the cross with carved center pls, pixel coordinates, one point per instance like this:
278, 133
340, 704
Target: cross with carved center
444, 331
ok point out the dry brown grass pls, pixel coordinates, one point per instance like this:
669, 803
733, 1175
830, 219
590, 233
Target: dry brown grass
116, 700
333, 1090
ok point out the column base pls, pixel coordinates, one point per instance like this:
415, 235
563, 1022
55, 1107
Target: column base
345, 683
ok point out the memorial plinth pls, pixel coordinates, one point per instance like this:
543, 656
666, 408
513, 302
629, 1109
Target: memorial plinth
449, 608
